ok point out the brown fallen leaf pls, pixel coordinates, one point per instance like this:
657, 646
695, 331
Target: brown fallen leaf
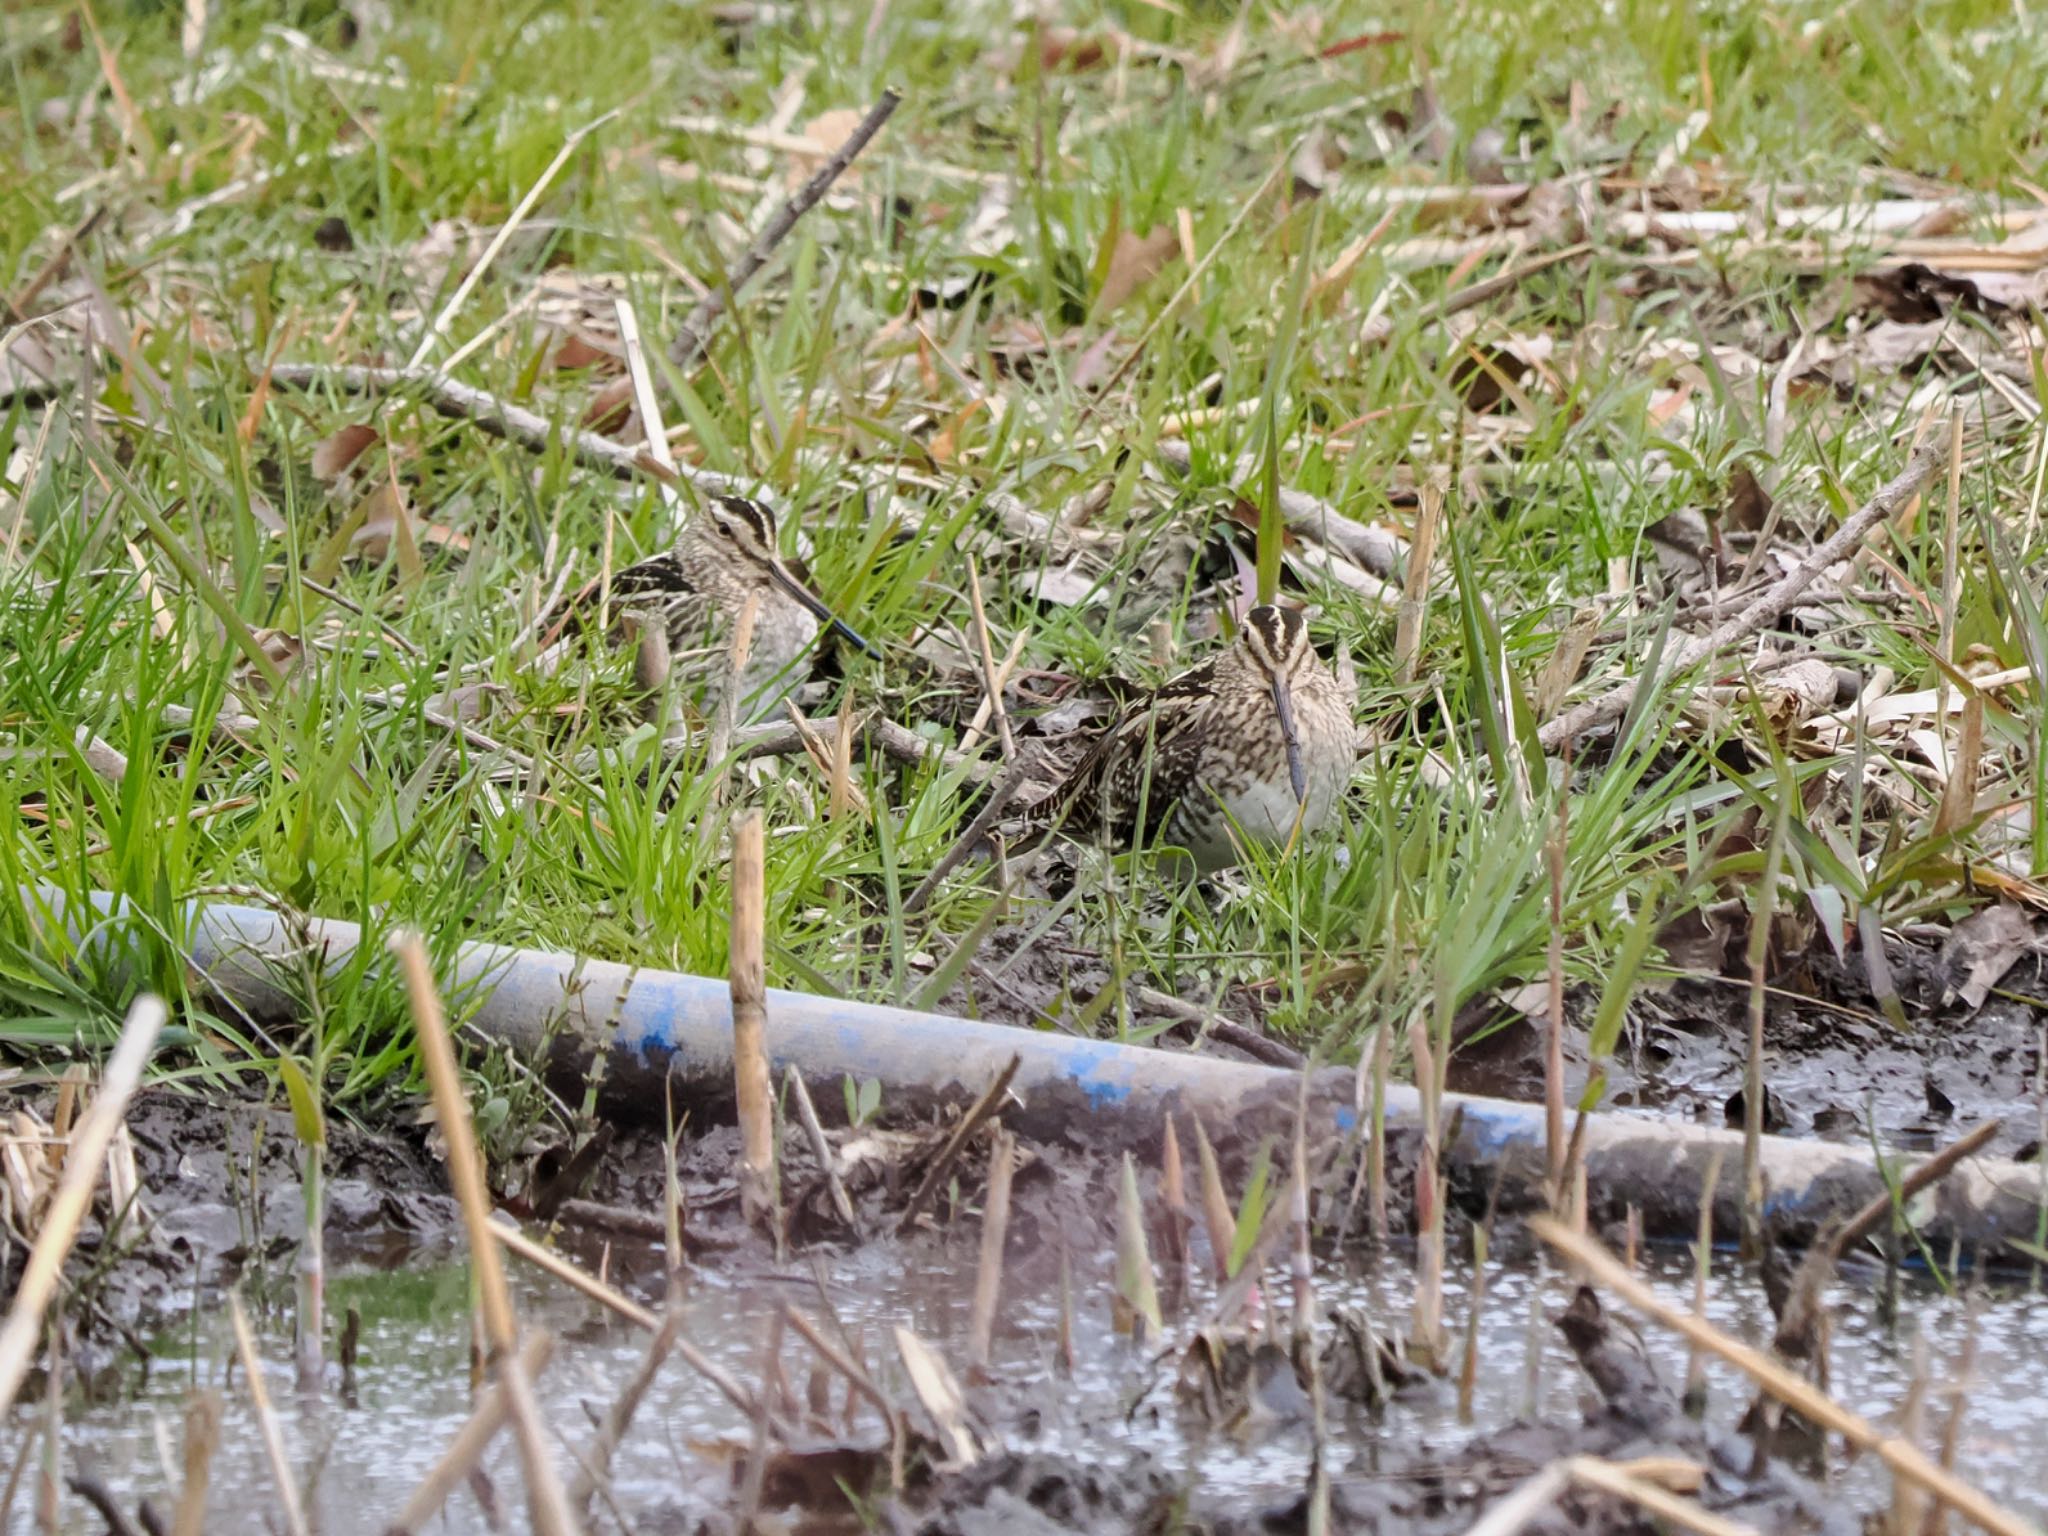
1135, 261
338, 450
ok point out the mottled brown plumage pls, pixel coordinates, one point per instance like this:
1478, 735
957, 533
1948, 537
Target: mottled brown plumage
1238, 748
725, 557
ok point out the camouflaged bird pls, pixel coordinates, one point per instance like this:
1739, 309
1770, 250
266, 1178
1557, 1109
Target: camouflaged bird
725, 557
1244, 747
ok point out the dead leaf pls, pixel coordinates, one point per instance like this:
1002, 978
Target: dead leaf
1134, 262
338, 450
1748, 504
1982, 948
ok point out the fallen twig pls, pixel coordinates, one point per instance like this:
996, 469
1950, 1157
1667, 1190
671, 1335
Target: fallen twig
948, 1154
1766, 609
501, 418
696, 331
1905, 1459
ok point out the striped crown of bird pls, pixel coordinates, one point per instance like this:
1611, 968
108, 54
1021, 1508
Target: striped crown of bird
1254, 744
727, 556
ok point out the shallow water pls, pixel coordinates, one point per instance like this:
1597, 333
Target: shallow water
413, 1381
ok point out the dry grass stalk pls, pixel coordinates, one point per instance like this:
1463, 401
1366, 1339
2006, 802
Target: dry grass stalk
844, 793
550, 1509
1376, 1145
1302, 1263
1591, 1472
1216, 1217
1414, 607
1763, 917
68, 1205
202, 1439
594, 1464
1904, 1458
940, 1395
1468, 1371
50, 1476
841, 793
1553, 1041
546, 1259
747, 969
1427, 1328
468, 1446
995, 1228
1647, 1484
991, 680
821, 1147
1173, 1193
504, 233
1952, 1427
266, 1421
1959, 792
1703, 1269
860, 1382
942, 1164
1909, 1501
1008, 664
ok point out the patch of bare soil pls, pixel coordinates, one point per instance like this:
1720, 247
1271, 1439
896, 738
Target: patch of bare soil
1836, 1065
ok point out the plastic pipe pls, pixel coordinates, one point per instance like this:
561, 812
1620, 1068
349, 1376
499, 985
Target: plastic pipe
664, 1031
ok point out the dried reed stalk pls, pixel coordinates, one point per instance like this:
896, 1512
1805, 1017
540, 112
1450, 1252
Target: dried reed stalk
995, 1227
1907, 1460
747, 969
468, 1446
549, 1507
73, 1195
821, 1147
266, 1421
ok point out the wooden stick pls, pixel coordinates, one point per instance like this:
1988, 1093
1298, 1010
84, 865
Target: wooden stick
1765, 609
995, 1228
74, 1194
549, 1505
501, 418
696, 332
477, 1432
747, 969
1907, 1460
266, 1421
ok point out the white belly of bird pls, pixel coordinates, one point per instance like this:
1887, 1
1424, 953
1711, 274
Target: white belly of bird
1262, 811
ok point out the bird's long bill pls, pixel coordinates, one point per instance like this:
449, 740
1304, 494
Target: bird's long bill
1283, 706
816, 604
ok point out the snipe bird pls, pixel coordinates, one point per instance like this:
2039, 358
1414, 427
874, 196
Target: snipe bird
1245, 746
726, 555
